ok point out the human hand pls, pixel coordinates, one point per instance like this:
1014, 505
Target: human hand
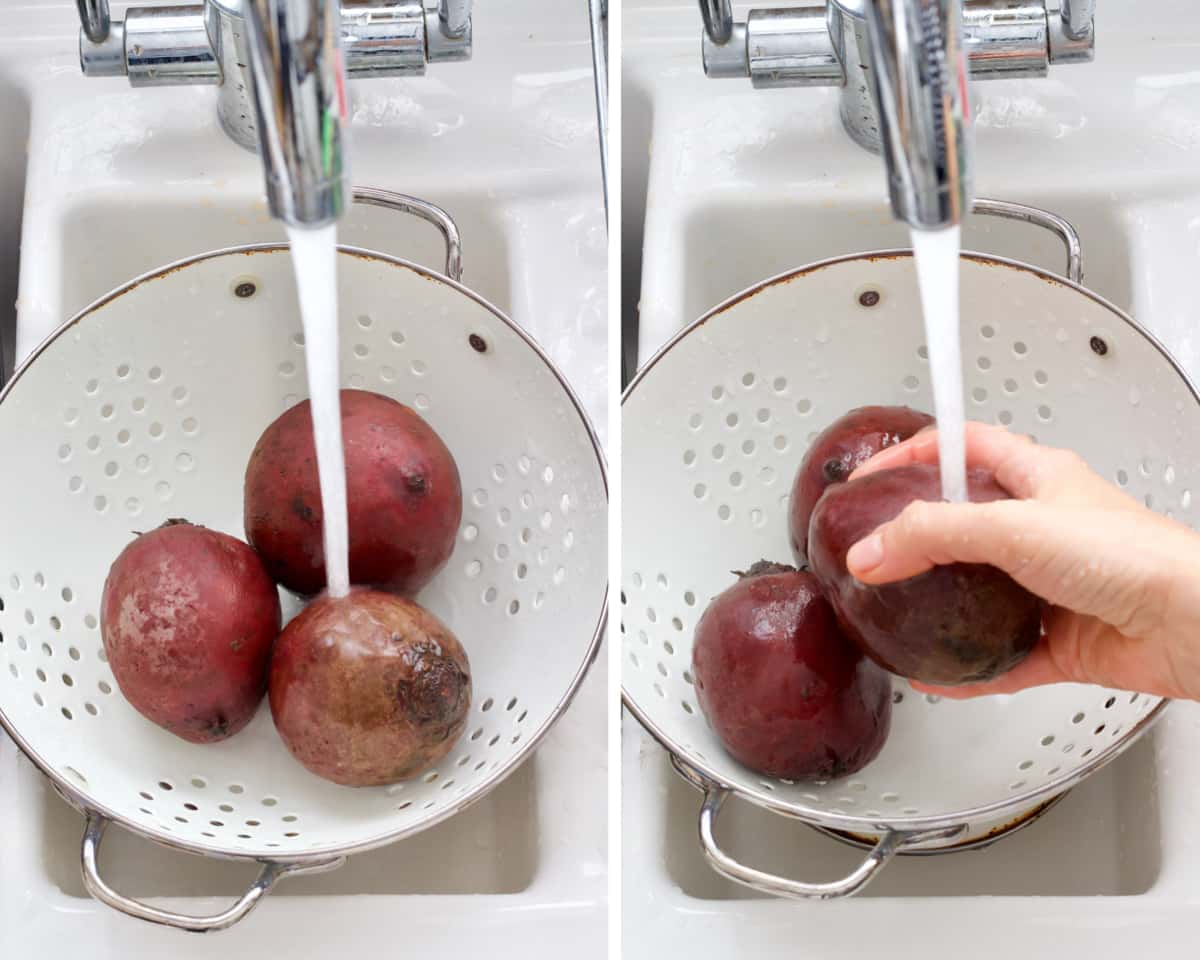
1123, 582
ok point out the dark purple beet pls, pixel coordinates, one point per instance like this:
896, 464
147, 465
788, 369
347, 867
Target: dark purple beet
787, 694
958, 623
841, 448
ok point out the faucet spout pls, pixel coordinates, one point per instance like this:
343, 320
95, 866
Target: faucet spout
919, 81
298, 89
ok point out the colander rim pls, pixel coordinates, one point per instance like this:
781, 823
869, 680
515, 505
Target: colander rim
82, 799
763, 798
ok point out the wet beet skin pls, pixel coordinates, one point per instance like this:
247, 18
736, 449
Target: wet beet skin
369, 689
188, 618
959, 623
402, 487
838, 451
787, 694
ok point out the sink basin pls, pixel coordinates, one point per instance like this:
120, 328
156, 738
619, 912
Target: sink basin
1101, 840
726, 186
122, 181
490, 848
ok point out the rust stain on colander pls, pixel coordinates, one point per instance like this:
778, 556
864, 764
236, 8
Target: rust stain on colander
866, 841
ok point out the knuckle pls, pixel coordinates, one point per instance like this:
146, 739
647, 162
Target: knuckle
915, 521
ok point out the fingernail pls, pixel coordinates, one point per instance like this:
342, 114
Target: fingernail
866, 555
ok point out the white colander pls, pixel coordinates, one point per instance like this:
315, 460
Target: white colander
717, 422
146, 406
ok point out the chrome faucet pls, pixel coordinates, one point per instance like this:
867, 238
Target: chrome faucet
280, 68
902, 67
918, 81
298, 89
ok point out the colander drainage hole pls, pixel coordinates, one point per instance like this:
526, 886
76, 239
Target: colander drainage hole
718, 392
1024, 764
270, 801
910, 383
486, 705
106, 689
687, 707
164, 785
804, 406
91, 709
1109, 702
37, 698
190, 806
1047, 740
923, 352
689, 598
779, 384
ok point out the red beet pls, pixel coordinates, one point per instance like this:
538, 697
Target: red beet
787, 694
841, 448
402, 484
369, 689
188, 618
958, 623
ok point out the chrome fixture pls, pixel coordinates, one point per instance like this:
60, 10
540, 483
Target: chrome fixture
918, 84
598, 19
828, 45
278, 68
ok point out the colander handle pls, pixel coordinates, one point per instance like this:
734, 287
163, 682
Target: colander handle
432, 213
715, 797
1041, 218
271, 873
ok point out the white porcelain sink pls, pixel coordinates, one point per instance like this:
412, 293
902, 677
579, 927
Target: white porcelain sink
121, 181
738, 185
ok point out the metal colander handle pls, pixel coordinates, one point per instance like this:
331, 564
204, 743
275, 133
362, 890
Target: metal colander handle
271, 873
1041, 218
401, 203
883, 851
728, 866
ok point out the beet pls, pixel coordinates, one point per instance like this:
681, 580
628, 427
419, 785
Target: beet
787, 694
402, 487
957, 623
369, 689
844, 446
188, 618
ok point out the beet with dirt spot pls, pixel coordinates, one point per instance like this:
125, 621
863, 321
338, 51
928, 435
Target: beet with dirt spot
840, 449
369, 689
403, 493
953, 624
786, 693
188, 617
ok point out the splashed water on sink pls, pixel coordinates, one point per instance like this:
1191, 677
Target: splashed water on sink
314, 258
935, 253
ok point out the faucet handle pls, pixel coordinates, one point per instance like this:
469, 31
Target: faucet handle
718, 20
95, 19
454, 17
